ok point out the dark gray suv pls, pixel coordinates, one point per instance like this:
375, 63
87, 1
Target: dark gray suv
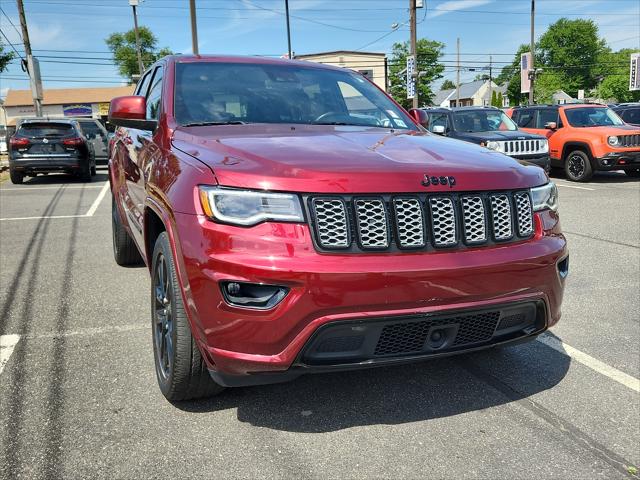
47, 145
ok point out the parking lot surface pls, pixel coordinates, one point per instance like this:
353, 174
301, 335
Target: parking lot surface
78, 394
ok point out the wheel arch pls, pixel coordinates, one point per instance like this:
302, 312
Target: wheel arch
572, 146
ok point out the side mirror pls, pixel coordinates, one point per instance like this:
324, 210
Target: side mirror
438, 130
551, 126
131, 112
419, 117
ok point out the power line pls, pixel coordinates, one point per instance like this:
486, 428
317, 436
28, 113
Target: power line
12, 24
11, 45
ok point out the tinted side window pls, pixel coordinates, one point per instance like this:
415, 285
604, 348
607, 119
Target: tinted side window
439, 119
546, 116
155, 93
90, 127
632, 116
143, 85
526, 119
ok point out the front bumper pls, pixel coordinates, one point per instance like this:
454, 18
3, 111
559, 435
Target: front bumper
620, 160
542, 161
348, 289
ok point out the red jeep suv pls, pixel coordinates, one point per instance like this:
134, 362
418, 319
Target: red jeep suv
295, 219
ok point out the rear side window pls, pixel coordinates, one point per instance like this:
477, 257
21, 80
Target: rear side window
546, 116
33, 130
526, 119
90, 128
143, 86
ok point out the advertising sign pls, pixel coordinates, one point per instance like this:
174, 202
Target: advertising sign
103, 109
411, 82
525, 66
634, 72
77, 110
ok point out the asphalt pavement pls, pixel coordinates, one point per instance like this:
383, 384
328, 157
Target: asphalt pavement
79, 399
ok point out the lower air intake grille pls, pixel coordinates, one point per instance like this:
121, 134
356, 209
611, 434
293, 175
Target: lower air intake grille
410, 337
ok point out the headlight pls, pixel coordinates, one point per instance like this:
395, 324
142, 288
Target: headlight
494, 146
613, 141
249, 207
545, 146
545, 197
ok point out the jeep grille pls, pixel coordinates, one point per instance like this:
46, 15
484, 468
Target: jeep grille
629, 140
524, 147
419, 222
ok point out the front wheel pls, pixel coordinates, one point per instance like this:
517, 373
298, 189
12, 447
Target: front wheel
577, 166
181, 371
633, 173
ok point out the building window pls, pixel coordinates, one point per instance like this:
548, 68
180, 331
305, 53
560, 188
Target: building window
367, 73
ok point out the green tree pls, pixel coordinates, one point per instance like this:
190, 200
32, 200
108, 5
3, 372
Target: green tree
615, 84
429, 53
572, 49
5, 58
548, 83
123, 48
447, 85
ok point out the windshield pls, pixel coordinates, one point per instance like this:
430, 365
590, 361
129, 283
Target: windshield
592, 117
219, 93
482, 121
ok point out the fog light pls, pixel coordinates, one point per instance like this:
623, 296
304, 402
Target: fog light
253, 295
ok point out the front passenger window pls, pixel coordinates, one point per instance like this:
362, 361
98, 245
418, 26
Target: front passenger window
526, 119
155, 94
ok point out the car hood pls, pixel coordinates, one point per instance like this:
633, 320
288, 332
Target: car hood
497, 135
346, 159
617, 130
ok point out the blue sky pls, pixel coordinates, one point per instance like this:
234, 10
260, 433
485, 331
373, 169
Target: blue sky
74, 30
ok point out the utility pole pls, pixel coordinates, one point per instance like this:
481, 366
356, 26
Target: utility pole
134, 5
286, 9
490, 82
33, 67
458, 73
533, 52
413, 53
194, 28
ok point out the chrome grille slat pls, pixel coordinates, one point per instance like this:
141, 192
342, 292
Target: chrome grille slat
474, 220
501, 217
523, 147
419, 221
331, 223
409, 222
443, 220
524, 215
373, 227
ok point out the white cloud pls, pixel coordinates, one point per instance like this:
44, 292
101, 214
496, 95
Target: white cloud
455, 5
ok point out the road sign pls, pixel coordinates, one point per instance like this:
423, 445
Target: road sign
419, 3
634, 72
411, 78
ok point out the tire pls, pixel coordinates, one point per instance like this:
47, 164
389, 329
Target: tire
85, 173
16, 177
180, 369
125, 252
633, 173
577, 166
93, 170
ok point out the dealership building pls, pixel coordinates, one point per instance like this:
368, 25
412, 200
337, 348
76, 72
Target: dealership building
63, 102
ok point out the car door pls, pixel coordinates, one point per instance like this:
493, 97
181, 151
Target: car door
127, 145
97, 136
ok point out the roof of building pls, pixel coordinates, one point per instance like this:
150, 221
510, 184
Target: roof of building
339, 52
442, 95
57, 96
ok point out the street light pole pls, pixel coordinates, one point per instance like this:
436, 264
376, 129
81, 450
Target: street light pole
134, 5
533, 52
194, 28
286, 9
413, 53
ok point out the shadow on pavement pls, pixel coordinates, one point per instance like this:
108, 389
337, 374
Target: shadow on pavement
617, 176
395, 395
61, 178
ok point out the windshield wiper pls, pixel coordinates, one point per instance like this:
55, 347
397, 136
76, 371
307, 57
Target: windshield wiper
204, 124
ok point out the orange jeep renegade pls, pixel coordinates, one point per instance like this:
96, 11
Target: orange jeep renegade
583, 138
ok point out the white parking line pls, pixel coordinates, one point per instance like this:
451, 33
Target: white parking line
7, 344
90, 212
63, 187
593, 363
575, 186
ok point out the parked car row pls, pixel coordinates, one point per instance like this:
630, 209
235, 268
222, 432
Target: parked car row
47, 145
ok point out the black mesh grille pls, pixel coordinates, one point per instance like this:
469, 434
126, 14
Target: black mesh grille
410, 337
340, 344
511, 321
419, 221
